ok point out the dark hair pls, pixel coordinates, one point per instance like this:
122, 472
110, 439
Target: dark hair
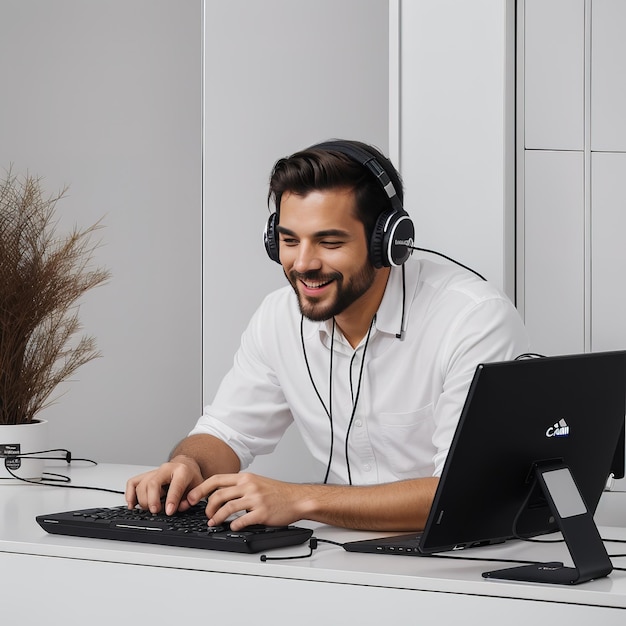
318, 169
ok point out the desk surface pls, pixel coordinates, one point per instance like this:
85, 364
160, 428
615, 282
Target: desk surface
20, 535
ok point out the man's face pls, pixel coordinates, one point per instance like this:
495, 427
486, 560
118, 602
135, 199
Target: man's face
323, 251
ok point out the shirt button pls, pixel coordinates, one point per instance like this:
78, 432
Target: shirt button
367, 467
358, 423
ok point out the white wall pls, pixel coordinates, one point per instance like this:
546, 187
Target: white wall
279, 76
456, 130
106, 97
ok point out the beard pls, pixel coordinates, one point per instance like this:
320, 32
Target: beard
347, 291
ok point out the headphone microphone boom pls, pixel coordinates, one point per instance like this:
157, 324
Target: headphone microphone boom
393, 229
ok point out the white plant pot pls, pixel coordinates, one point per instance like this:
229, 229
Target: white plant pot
19, 439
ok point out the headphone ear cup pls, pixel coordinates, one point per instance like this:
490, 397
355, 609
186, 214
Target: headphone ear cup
377, 256
270, 239
392, 238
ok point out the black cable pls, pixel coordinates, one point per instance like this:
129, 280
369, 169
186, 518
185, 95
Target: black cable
313, 544
521, 510
31, 455
400, 335
448, 258
314, 541
356, 400
334, 543
616, 556
478, 558
533, 540
329, 409
60, 478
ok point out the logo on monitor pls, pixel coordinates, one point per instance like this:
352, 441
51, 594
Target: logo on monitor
560, 429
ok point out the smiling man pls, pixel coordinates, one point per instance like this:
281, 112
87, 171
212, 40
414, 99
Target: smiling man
325, 256
369, 351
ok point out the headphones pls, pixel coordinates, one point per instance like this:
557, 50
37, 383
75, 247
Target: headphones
393, 233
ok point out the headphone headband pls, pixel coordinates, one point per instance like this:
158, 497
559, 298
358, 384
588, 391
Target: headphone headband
393, 234
368, 160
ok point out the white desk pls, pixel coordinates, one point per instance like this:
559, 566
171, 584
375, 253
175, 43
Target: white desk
46, 577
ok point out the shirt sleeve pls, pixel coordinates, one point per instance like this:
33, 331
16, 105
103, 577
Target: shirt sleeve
487, 331
249, 411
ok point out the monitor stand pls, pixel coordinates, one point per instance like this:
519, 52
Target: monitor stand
579, 532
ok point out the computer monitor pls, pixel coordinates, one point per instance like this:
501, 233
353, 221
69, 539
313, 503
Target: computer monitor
532, 435
535, 444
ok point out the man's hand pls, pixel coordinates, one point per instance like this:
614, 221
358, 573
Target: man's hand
172, 480
264, 500
400, 506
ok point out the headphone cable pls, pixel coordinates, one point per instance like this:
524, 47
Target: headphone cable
329, 409
448, 258
356, 399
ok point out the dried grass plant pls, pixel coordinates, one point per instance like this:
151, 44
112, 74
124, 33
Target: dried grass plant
42, 276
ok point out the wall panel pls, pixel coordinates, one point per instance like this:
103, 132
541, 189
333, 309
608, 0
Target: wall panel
554, 251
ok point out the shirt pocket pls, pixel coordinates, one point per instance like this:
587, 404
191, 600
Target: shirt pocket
407, 440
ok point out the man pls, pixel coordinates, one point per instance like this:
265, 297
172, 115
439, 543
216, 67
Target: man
369, 351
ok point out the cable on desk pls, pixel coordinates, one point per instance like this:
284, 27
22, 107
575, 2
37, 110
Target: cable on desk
59, 480
314, 541
479, 558
313, 544
616, 556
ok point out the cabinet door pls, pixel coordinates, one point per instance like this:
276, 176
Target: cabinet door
554, 74
554, 251
608, 225
608, 75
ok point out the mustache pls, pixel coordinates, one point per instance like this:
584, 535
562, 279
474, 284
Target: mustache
314, 276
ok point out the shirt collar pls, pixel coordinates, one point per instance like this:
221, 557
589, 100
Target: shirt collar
389, 314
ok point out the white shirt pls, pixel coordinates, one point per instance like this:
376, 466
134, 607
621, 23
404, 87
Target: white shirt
411, 391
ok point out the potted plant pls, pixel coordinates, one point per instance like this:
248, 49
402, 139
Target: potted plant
42, 276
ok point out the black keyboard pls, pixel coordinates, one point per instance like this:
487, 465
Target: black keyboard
187, 530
